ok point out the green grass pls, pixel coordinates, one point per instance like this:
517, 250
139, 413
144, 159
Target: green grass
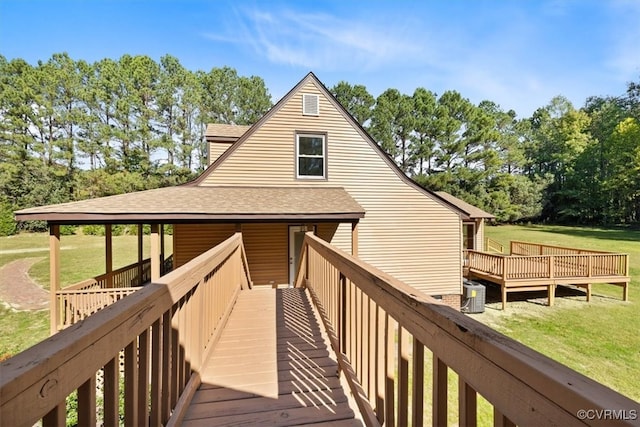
600, 339
81, 257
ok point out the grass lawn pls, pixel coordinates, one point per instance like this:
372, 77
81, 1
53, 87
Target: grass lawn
82, 257
600, 339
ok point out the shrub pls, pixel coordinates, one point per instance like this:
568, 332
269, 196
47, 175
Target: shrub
68, 230
93, 230
8, 225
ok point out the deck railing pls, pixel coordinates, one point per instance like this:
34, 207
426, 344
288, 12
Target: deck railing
493, 246
517, 247
587, 265
164, 332
384, 333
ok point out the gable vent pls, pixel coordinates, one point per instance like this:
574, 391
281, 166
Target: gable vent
310, 104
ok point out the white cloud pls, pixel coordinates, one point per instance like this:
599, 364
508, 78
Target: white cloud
319, 41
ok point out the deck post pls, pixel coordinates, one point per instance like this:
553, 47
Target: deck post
354, 239
162, 272
625, 288
108, 254
155, 253
342, 326
54, 275
140, 253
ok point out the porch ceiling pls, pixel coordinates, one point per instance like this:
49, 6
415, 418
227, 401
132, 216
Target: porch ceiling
191, 203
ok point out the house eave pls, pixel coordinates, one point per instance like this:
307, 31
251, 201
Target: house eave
131, 218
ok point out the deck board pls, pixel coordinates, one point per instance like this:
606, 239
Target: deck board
272, 366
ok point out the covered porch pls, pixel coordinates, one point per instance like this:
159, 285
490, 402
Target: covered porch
272, 219
73, 303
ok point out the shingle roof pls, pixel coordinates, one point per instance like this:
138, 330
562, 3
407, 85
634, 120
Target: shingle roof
225, 131
187, 203
470, 210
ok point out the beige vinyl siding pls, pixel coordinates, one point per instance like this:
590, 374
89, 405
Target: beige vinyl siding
191, 240
267, 247
404, 232
339, 235
216, 149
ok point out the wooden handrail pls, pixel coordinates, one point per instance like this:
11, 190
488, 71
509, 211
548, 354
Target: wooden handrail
368, 314
117, 276
493, 245
517, 247
156, 329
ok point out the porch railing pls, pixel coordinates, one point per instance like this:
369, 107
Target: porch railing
385, 333
493, 246
164, 331
76, 302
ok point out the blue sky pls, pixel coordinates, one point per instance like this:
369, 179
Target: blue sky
518, 54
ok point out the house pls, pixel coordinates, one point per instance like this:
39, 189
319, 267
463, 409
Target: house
306, 165
201, 345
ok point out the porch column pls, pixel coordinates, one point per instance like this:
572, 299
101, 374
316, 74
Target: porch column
354, 239
162, 272
155, 253
140, 254
54, 276
108, 254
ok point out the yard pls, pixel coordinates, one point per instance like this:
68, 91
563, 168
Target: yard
601, 339
82, 257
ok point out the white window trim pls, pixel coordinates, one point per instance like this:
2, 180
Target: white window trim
324, 156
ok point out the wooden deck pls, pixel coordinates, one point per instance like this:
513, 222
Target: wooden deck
272, 366
537, 267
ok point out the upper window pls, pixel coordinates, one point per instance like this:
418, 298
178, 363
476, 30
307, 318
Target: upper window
310, 156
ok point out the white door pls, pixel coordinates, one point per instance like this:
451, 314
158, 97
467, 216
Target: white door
296, 236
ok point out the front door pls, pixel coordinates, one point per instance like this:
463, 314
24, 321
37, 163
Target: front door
296, 236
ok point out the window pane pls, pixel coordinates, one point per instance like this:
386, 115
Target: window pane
310, 145
310, 166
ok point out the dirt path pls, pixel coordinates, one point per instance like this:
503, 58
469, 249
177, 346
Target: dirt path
18, 290
28, 250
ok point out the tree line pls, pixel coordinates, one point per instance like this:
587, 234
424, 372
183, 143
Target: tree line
72, 130
563, 164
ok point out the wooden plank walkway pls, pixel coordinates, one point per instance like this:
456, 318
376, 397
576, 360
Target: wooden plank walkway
272, 366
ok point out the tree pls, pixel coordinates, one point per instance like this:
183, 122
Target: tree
392, 125
427, 131
228, 98
355, 99
454, 112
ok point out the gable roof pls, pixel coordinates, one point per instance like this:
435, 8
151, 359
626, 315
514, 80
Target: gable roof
471, 211
185, 203
354, 123
224, 132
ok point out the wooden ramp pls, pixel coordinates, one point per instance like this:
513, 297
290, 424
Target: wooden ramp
272, 366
